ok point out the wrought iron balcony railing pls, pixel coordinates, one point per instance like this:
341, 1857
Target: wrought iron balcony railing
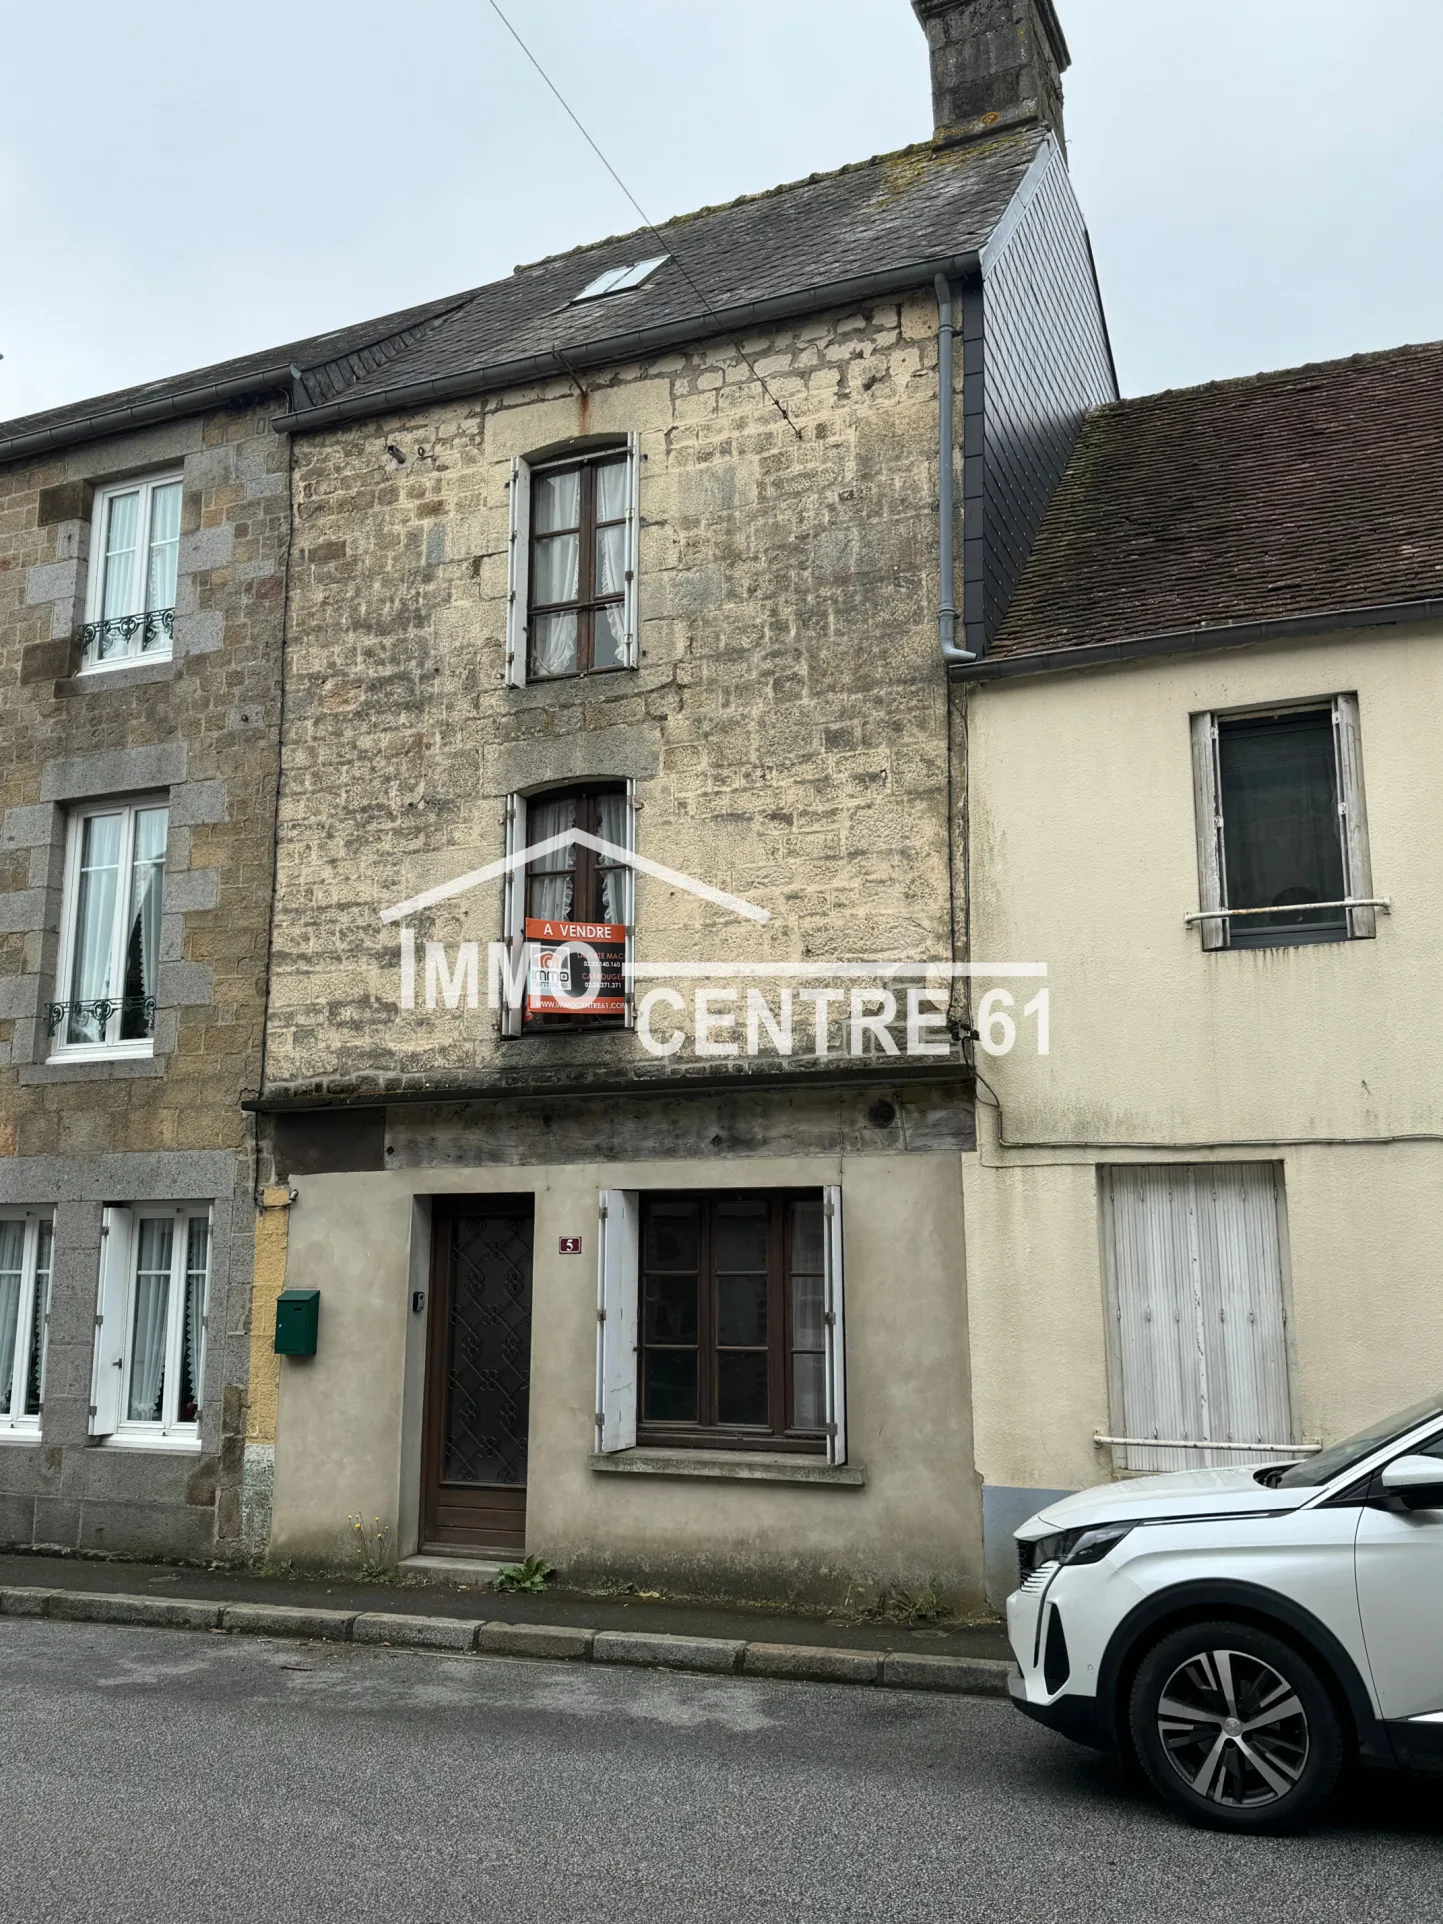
136, 1012
115, 639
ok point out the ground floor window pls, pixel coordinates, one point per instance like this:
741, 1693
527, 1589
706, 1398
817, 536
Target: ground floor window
721, 1319
26, 1241
150, 1326
1197, 1303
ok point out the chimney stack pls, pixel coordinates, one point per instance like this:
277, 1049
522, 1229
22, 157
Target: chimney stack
995, 63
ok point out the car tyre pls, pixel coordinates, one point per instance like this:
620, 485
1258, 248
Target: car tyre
1235, 1727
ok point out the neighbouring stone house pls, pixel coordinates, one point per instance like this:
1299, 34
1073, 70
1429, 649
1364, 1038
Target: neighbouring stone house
144, 545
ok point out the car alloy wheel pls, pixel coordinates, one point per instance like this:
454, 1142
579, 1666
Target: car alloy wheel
1235, 1727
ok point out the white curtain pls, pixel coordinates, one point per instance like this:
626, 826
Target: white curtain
12, 1256
611, 505
93, 955
40, 1326
142, 949
164, 548
122, 528
612, 813
549, 893
193, 1370
152, 1301
555, 570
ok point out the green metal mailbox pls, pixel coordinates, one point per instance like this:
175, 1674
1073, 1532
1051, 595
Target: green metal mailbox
298, 1313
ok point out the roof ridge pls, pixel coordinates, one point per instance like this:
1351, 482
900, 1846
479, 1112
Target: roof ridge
914, 148
1265, 375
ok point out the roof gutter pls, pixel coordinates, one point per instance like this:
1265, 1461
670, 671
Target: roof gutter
144, 414
671, 1086
632, 345
1198, 641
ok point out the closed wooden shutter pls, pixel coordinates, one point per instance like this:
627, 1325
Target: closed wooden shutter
1196, 1300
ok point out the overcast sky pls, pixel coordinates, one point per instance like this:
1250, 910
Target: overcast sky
181, 183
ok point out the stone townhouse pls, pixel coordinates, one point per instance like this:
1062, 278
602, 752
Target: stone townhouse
144, 548
615, 1099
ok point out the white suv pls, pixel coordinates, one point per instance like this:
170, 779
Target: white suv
1241, 1632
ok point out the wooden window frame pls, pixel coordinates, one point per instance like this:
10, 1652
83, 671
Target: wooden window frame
588, 603
586, 873
780, 1435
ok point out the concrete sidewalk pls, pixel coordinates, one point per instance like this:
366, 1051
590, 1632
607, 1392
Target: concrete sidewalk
454, 1617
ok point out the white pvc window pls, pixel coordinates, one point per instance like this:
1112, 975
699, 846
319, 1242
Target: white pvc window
151, 1324
110, 931
134, 561
27, 1241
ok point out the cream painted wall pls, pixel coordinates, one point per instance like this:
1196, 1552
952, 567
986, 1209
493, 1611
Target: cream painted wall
1083, 856
345, 1441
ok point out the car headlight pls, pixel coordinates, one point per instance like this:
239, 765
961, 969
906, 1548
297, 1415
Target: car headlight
1089, 1545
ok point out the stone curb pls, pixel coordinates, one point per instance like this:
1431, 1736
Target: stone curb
713, 1656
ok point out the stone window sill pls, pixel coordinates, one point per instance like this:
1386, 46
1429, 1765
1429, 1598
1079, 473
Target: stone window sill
733, 1466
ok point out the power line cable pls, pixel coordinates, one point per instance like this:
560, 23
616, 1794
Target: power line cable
646, 222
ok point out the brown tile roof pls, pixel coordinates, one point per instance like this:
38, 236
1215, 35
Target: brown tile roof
1282, 496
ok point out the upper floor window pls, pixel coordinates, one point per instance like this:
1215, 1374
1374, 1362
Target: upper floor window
569, 908
110, 931
134, 556
26, 1242
1282, 827
573, 566
149, 1364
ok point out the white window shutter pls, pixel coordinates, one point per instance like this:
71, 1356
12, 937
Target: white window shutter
1353, 813
117, 1241
513, 909
632, 806
836, 1353
1207, 804
617, 1302
518, 573
633, 549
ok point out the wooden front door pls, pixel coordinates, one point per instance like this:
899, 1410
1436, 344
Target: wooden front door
478, 1376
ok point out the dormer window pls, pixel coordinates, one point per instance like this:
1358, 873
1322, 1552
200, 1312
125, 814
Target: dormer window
134, 556
619, 280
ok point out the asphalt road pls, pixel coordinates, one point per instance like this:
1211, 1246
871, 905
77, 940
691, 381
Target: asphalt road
160, 1777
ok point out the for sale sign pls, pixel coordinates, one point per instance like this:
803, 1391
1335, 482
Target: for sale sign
576, 968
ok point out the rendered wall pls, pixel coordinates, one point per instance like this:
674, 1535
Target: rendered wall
1082, 855
347, 1432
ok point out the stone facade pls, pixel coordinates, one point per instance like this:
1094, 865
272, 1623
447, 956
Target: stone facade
202, 729
786, 727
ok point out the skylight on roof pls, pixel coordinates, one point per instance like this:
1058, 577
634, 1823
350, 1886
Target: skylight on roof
616, 280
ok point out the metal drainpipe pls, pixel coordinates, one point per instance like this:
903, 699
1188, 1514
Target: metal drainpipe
947, 618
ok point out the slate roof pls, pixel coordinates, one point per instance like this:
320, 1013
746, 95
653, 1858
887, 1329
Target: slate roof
926, 203
923, 204
1281, 497
362, 348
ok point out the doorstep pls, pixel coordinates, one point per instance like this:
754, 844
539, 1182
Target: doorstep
467, 1570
